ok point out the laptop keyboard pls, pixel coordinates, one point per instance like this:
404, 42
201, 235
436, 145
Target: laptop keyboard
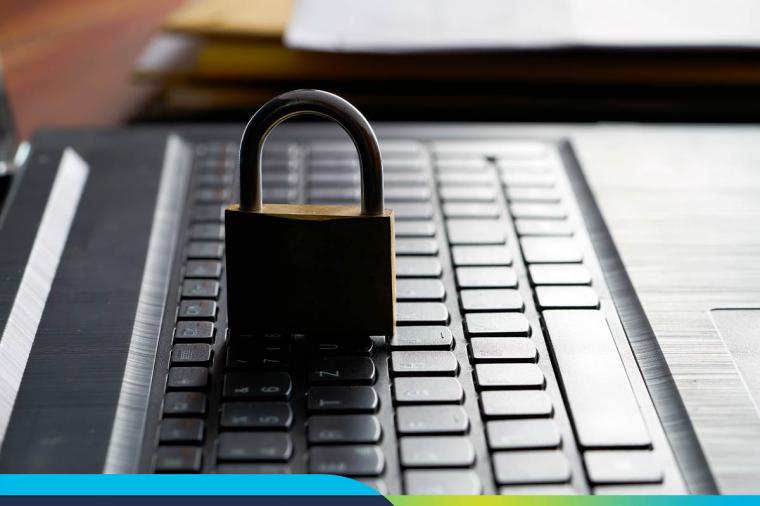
496, 300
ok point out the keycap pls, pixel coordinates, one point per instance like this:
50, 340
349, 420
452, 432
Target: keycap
604, 410
462, 162
334, 195
515, 404
407, 194
256, 356
537, 490
209, 212
279, 178
280, 195
442, 482
535, 162
214, 180
481, 255
378, 485
433, 419
566, 297
256, 362
210, 269
418, 267
515, 179
213, 195
550, 250
559, 274
409, 247
421, 313
420, 290
628, 466
254, 446
543, 227
466, 177
534, 466
471, 210
200, 289
400, 178
509, 376
351, 370
427, 338
343, 429
414, 228
191, 354
187, 377
333, 178
497, 324
500, 349
491, 300
256, 415
194, 331
522, 434
354, 345
461, 231
358, 460
424, 363
527, 194
427, 391
411, 210
253, 469
197, 310
539, 211
206, 231
274, 385
348, 399
178, 459
436, 451
486, 277
458, 193
402, 156
181, 430
185, 403
205, 249
632, 489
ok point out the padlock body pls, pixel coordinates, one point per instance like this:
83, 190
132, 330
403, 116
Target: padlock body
310, 270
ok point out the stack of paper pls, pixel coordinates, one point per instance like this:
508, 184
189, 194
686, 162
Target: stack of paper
389, 55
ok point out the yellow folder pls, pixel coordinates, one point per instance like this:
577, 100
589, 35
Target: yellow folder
240, 18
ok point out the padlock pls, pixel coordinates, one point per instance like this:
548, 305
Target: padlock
310, 269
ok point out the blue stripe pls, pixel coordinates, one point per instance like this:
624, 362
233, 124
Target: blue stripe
180, 484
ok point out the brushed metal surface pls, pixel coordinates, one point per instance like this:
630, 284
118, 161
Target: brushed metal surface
643, 342
683, 207
129, 421
740, 331
25, 315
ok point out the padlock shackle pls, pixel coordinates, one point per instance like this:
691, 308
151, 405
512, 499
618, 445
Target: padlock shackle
318, 103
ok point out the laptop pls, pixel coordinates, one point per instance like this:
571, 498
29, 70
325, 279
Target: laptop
574, 311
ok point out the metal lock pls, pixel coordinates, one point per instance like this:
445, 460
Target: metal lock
310, 269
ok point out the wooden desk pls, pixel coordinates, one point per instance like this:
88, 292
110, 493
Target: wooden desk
67, 62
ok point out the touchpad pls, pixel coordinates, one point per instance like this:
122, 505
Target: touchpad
740, 331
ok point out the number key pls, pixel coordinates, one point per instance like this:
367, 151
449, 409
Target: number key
262, 385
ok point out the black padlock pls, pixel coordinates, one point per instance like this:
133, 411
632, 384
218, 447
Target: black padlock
310, 269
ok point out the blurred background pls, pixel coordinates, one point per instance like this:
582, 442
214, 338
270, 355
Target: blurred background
109, 62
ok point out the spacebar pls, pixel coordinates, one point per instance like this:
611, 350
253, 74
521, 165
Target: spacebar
602, 405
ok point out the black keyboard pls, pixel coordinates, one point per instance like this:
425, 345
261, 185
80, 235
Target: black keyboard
508, 373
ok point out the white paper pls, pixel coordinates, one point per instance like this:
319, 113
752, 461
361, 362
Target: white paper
392, 26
